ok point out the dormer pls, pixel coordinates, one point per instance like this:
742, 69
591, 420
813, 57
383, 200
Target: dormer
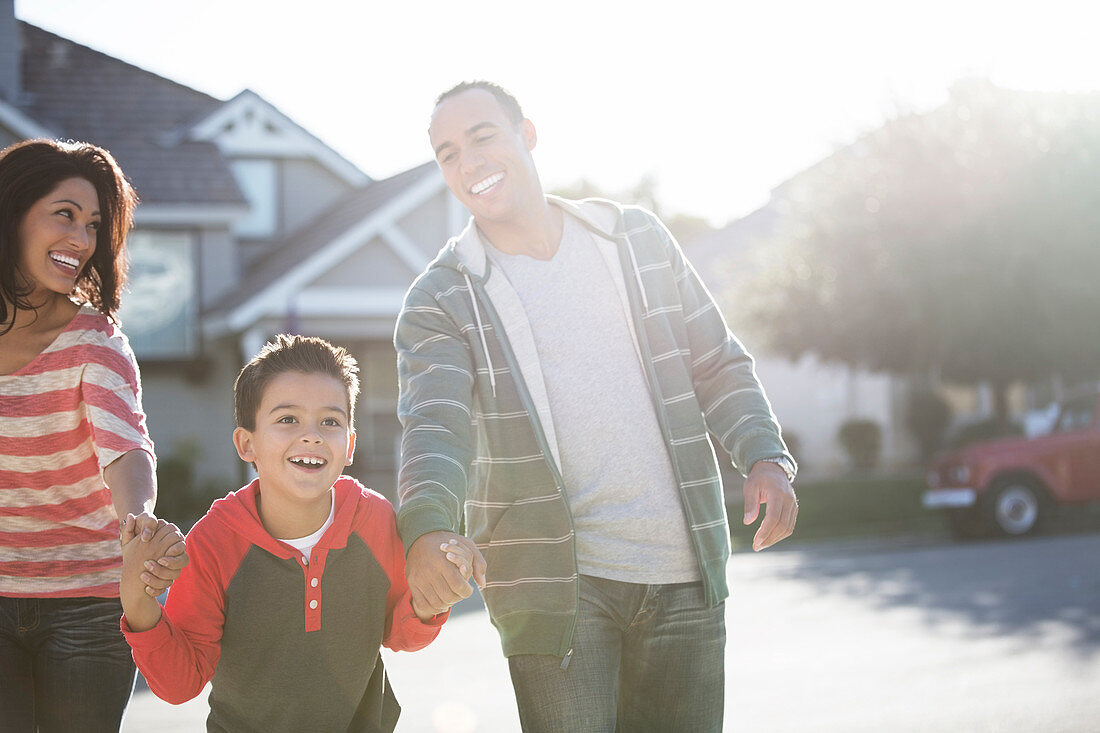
287, 174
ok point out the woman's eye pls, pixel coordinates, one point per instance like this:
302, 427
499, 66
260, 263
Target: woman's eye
67, 213
94, 226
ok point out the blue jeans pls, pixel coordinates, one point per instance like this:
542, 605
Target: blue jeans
645, 658
64, 665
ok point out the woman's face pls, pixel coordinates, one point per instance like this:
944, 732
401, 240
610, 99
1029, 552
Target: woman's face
57, 238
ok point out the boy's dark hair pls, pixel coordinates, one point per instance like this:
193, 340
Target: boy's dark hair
504, 98
305, 354
29, 170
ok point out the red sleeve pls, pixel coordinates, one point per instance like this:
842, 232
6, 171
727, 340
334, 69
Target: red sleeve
404, 630
178, 656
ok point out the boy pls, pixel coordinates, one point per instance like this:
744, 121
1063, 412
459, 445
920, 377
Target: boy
294, 580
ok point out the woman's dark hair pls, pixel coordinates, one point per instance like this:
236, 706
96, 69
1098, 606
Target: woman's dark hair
29, 170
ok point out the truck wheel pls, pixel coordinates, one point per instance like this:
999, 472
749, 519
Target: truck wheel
1015, 507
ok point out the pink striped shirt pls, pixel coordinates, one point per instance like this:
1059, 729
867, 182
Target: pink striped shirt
64, 417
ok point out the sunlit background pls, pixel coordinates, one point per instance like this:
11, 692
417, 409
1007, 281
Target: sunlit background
719, 102
894, 204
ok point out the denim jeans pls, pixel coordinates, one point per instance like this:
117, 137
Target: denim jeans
64, 665
645, 658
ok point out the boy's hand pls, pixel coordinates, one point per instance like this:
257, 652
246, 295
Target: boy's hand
135, 591
163, 570
461, 557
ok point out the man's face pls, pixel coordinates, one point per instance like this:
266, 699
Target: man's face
485, 157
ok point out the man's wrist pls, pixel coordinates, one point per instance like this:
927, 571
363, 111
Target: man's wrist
784, 463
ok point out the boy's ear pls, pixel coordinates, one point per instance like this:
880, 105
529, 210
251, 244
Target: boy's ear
242, 440
351, 448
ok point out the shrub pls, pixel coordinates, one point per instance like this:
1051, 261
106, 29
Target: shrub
927, 417
862, 441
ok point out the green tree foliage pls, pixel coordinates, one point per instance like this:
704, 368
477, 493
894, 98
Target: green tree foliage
963, 243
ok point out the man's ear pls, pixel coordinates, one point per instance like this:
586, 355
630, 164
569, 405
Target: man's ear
242, 440
351, 448
530, 136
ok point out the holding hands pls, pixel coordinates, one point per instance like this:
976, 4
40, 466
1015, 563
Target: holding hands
439, 567
153, 554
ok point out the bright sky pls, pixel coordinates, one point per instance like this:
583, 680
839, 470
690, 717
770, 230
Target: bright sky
719, 101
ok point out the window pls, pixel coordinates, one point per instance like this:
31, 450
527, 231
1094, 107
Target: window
257, 179
159, 305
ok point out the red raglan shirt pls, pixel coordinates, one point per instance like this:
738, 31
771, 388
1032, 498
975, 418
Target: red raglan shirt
288, 645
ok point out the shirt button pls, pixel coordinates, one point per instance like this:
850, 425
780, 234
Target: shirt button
313, 582
313, 605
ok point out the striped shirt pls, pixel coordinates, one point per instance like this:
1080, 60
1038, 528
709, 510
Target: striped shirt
64, 417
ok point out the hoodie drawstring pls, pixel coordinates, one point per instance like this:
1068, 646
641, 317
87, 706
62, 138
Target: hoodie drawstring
481, 333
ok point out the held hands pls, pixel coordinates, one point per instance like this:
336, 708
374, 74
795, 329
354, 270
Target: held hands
144, 562
767, 484
163, 568
439, 566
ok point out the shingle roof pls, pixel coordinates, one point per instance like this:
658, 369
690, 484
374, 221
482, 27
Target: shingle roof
324, 228
85, 95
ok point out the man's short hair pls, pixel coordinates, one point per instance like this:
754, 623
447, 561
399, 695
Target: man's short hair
305, 354
504, 98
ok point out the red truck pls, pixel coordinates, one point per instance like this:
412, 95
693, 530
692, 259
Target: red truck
1010, 486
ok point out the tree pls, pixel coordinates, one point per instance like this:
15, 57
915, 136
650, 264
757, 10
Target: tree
962, 243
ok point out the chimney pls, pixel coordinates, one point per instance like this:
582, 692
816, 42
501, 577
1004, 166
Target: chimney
10, 52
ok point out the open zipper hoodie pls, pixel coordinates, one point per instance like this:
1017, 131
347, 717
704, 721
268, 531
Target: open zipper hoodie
479, 451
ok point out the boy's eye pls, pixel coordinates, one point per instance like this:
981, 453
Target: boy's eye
331, 422
483, 138
287, 419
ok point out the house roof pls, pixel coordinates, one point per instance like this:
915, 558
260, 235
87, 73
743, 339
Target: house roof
305, 254
83, 94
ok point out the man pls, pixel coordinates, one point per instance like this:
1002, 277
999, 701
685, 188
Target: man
560, 365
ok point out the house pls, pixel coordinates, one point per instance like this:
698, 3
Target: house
249, 226
811, 398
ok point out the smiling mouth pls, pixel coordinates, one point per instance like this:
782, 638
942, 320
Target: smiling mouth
66, 262
486, 183
308, 461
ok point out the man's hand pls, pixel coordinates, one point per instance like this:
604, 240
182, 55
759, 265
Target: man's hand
435, 582
768, 484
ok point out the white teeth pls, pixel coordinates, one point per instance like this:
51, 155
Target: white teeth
486, 183
308, 461
65, 259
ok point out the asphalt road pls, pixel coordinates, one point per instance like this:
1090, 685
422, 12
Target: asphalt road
884, 636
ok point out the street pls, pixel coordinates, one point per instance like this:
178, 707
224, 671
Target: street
842, 637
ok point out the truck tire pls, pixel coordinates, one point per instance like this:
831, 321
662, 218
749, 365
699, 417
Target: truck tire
1016, 507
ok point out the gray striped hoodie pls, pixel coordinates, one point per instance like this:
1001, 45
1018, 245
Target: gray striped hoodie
479, 452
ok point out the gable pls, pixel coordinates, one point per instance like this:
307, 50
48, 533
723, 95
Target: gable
248, 126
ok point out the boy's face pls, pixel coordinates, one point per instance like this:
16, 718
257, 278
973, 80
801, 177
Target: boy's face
303, 439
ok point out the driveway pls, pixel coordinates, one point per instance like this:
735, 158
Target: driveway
883, 636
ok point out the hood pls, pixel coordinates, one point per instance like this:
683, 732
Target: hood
239, 513
465, 252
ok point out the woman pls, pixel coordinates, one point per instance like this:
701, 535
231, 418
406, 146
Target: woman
75, 454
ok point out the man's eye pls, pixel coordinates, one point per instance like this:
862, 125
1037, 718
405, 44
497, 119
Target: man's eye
483, 138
